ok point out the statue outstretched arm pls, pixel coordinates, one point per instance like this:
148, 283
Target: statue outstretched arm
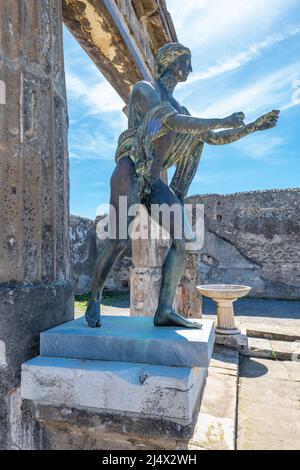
144, 94
184, 124
267, 121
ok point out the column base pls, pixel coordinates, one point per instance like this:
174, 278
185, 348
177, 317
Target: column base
26, 311
144, 291
237, 341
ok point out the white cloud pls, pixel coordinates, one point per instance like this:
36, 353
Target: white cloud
223, 36
208, 178
269, 92
99, 98
221, 24
262, 146
227, 34
93, 139
91, 145
241, 58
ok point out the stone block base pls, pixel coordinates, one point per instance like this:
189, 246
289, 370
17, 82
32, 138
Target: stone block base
144, 390
70, 428
131, 339
125, 385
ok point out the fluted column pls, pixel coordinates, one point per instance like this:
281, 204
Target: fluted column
35, 292
145, 279
145, 276
188, 301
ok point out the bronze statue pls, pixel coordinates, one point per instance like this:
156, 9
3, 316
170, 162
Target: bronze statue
161, 133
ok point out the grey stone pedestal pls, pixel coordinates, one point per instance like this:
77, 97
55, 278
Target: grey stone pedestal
131, 339
127, 369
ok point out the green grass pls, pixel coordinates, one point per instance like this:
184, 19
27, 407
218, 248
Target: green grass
81, 303
274, 356
108, 298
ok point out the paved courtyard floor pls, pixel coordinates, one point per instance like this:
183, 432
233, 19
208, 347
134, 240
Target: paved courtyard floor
268, 404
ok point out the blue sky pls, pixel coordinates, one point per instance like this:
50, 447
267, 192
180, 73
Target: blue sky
245, 58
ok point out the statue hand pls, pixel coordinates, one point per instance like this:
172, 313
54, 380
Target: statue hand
234, 120
267, 121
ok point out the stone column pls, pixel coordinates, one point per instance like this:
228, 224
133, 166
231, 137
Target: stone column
145, 275
35, 292
188, 301
145, 280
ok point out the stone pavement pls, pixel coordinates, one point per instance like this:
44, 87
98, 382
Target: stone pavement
268, 414
268, 405
216, 423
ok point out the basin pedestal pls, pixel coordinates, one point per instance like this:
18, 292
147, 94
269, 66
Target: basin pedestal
225, 317
224, 295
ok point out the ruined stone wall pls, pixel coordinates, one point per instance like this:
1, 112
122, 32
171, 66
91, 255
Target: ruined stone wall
251, 238
84, 245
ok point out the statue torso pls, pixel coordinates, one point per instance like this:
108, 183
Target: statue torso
141, 102
149, 108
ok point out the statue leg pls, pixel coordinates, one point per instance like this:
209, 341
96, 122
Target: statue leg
106, 259
123, 183
173, 266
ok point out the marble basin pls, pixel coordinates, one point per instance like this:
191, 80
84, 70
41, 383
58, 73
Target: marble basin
224, 291
224, 295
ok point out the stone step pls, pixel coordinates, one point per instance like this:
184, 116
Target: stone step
273, 349
145, 390
272, 332
131, 339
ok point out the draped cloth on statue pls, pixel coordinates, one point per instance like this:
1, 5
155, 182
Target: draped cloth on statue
137, 142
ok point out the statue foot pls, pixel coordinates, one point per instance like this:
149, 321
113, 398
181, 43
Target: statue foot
166, 316
92, 314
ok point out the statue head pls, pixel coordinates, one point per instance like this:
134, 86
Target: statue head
173, 57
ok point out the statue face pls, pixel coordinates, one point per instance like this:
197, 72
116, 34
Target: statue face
182, 68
